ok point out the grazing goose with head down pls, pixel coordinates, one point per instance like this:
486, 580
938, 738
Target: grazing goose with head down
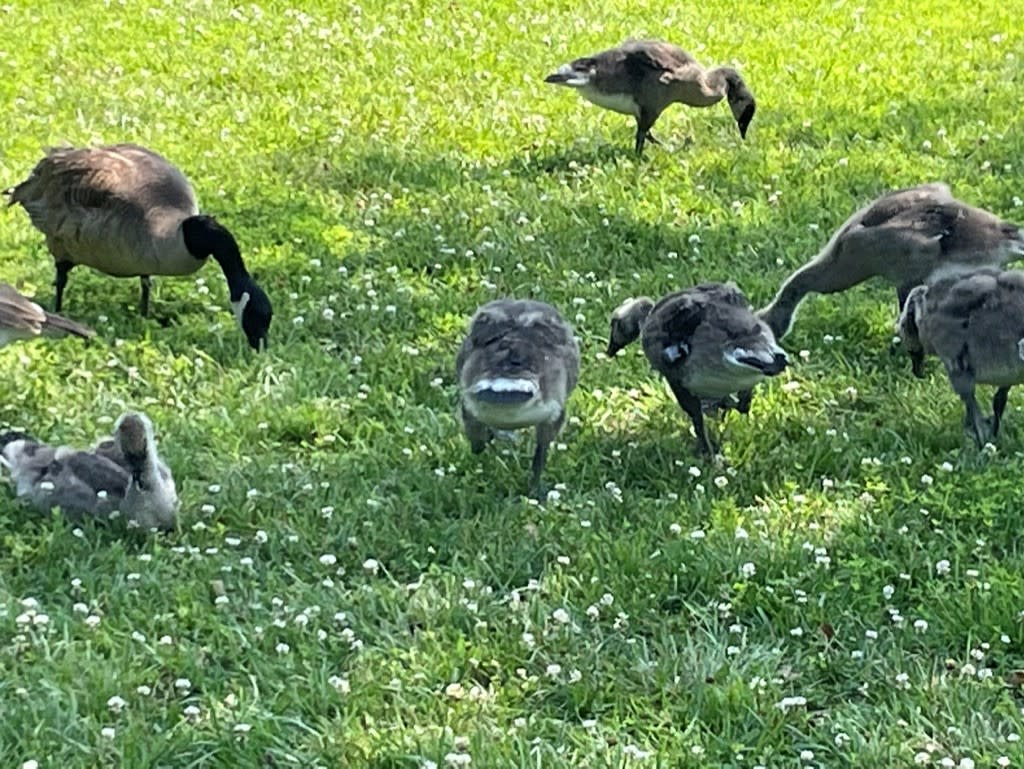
975, 325
908, 237
21, 318
127, 212
516, 368
123, 473
707, 343
643, 77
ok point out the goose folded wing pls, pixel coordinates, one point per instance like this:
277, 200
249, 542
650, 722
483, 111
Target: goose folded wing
678, 322
642, 56
96, 472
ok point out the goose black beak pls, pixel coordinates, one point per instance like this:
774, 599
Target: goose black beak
557, 78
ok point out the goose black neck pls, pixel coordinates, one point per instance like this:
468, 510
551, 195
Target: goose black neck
204, 237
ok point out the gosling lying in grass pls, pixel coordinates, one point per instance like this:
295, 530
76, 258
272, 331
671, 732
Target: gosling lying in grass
123, 473
975, 325
516, 368
707, 343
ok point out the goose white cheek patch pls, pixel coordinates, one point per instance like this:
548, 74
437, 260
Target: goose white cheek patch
238, 308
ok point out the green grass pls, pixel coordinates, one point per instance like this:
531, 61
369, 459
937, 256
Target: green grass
400, 164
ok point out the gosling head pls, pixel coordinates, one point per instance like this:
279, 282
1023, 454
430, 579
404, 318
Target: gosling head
908, 328
741, 100
133, 435
627, 321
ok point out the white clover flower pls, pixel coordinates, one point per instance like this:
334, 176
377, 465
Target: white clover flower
788, 703
920, 625
182, 684
697, 534
242, 728
561, 616
116, 704
748, 570
927, 480
328, 559
371, 566
553, 670
339, 684
108, 732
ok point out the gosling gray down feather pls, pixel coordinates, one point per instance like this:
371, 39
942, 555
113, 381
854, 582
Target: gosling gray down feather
643, 77
125, 211
707, 343
21, 318
974, 324
516, 368
907, 237
123, 474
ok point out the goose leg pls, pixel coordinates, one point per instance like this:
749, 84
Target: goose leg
744, 399
644, 121
60, 281
652, 140
998, 407
477, 432
546, 433
144, 303
962, 379
690, 403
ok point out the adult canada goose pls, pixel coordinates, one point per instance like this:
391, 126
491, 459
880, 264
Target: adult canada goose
516, 368
975, 325
707, 343
21, 318
123, 473
908, 237
127, 212
643, 77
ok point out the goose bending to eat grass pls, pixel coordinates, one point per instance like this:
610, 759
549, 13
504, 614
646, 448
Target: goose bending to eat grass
707, 343
907, 237
516, 368
975, 325
643, 77
125, 211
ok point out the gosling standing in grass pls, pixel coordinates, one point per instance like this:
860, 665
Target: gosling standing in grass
643, 77
908, 237
123, 473
21, 318
707, 343
516, 368
975, 325
127, 212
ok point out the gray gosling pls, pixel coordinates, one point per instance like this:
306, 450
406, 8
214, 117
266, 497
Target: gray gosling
907, 237
643, 77
516, 368
707, 343
121, 474
21, 318
975, 325
125, 211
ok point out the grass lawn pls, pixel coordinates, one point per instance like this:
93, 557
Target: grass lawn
350, 587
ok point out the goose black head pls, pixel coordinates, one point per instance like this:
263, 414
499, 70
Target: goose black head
205, 236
